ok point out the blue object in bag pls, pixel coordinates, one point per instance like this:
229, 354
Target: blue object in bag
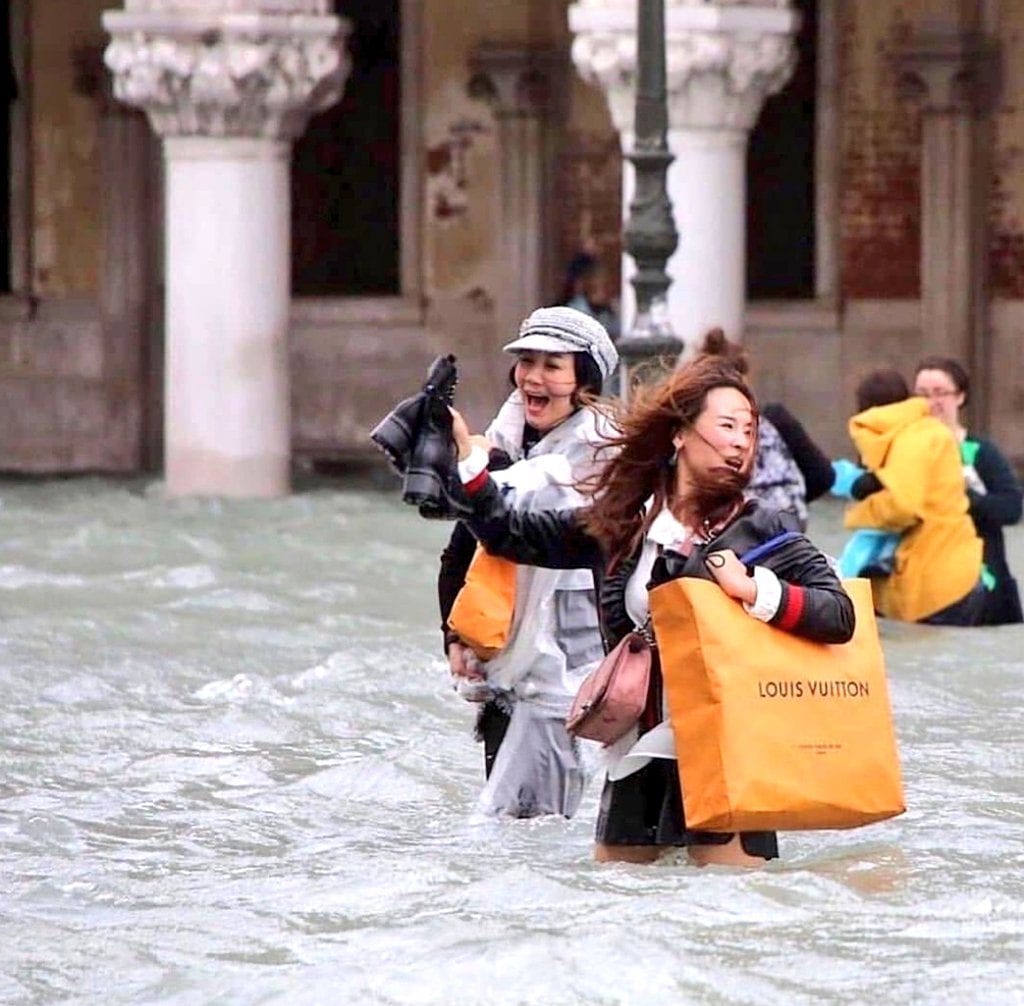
769, 546
868, 550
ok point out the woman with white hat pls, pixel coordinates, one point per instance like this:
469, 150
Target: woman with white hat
549, 435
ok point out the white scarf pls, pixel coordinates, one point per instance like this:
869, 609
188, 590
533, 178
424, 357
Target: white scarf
532, 664
577, 438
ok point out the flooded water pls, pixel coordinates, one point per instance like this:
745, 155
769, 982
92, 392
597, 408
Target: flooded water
232, 771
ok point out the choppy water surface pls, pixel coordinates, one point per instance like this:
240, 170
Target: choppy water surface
231, 771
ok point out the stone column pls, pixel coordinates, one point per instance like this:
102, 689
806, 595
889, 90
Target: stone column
227, 84
522, 87
724, 58
953, 76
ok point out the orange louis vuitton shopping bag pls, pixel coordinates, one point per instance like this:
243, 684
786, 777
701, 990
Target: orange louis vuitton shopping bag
482, 612
772, 731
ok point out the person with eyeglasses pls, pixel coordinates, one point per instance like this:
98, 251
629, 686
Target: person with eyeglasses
993, 491
909, 484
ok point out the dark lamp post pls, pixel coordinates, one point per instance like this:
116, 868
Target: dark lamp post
650, 235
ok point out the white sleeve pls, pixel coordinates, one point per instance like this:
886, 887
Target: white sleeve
769, 595
473, 464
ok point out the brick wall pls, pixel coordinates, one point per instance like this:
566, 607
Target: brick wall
1006, 216
880, 224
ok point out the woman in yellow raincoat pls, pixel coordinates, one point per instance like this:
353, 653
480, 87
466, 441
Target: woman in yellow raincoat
911, 483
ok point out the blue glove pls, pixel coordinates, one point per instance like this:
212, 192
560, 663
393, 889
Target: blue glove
846, 473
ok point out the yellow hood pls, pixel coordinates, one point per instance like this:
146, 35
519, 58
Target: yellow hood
873, 430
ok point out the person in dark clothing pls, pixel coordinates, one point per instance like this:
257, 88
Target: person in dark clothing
669, 503
992, 488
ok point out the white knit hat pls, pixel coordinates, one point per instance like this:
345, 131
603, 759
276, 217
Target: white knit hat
566, 330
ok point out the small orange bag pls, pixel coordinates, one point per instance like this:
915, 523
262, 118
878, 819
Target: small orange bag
773, 731
482, 612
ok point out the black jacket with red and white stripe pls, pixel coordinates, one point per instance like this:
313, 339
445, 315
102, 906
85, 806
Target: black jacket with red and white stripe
813, 605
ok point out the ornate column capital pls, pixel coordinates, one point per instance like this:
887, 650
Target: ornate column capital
724, 58
227, 68
947, 70
515, 80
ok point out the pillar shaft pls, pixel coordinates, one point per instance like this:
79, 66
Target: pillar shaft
521, 85
947, 220
227, 389
953, 76
522, 218
709, 267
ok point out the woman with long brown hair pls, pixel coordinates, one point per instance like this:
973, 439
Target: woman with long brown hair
669, 502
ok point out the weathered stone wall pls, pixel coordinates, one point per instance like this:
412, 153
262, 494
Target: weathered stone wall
66, 196
814, 368
66, 400
351, 362
881, 155
1006, 255
66, 376
1006, 249
881, 197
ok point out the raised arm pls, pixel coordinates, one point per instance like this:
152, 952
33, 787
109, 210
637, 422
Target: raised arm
550, 538
812, 461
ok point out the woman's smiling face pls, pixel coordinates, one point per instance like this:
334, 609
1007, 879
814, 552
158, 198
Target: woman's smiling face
547, 382
722, 441
944, 399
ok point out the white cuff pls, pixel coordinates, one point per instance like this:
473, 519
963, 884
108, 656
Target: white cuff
769, 595
973, 480
473, 464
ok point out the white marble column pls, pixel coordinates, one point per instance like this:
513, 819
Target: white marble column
724, 57
227, 85
522, 87
952, 75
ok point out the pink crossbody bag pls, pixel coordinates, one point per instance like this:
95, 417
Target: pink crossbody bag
613, 695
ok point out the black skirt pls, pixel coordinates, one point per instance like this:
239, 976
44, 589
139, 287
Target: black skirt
646, 808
